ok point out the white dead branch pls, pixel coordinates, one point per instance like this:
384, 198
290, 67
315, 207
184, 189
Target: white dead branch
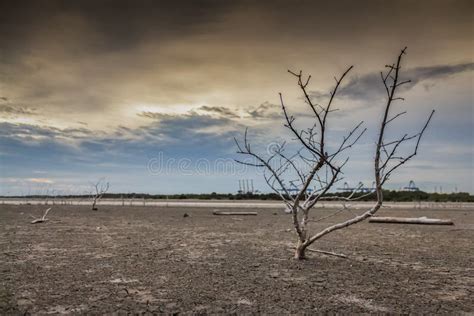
411, 220
40, 219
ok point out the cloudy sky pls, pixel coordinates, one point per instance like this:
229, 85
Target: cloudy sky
149, 94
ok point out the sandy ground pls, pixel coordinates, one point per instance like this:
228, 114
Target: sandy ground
150, 259
230, 203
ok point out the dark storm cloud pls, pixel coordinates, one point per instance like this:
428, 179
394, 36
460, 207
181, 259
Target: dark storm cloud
370, 86
118, 24
28, 132
174, 126
23, 131
175, 130
173, 135
437, 72
89, 55
12, 110
109, 25
266, 110
221, 110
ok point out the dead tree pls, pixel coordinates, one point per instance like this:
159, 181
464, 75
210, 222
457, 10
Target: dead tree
99, 189
314, 167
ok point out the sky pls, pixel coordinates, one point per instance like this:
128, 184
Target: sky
150, 94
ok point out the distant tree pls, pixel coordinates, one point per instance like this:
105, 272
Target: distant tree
99, 189
318, 167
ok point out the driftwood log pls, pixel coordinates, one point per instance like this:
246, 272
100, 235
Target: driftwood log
216, 212
411, 220
40, 219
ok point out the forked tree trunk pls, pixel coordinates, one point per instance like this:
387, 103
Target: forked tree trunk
300, 251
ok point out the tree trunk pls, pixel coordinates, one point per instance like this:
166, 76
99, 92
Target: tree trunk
300, 251
94, 208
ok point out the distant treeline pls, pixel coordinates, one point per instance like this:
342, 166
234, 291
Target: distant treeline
389, 196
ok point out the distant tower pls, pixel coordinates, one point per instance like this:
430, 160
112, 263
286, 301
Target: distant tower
411, 187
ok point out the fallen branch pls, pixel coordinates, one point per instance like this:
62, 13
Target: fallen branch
41, 219
340, 255
411, 220
233, 213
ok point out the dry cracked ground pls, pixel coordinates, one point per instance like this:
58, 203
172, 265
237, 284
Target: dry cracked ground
154, 260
